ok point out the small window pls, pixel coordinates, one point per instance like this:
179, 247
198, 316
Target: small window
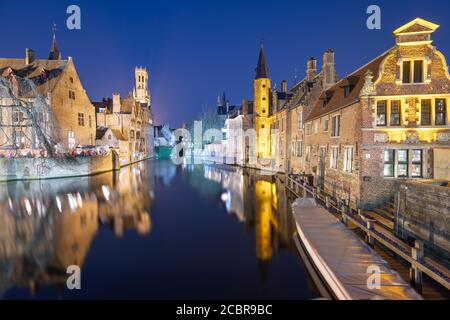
316, 126
325, 125
418, 71
336, 123
425, 112
71, 80
402, 163
381, 113
395, 113
417, 161
348, 89
389, 158
308, 153
300, 119
81, 119
308, 128
109, 137
348, 160
406, 71
90, 121
441, 114
334, 157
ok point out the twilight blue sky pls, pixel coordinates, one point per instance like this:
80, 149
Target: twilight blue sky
197, 49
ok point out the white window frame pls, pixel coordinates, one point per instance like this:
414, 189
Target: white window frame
334, 157
348, 159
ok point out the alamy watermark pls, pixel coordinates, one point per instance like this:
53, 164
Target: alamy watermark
74, 279
73, 21
374, 20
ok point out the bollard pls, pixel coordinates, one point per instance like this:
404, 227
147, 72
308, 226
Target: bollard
417, 253
327, 202
370, 227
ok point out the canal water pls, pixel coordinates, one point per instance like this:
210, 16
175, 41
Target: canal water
154, 230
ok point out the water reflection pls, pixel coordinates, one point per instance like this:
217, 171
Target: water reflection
46, 226
153, 230
259, 202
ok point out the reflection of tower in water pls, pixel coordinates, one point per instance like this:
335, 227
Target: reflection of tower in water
263, 195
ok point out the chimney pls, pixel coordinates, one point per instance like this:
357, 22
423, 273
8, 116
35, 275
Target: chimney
29, 56
116, 102
244, 107
284, 86
329, 73
311, 69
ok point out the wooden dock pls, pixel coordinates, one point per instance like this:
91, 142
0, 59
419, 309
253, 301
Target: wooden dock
379, 236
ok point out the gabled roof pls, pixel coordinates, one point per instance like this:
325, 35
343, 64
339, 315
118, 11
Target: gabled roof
44, 73
336, 94
417, 25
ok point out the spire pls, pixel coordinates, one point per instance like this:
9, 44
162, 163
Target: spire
54, 52
261, 69
224, 99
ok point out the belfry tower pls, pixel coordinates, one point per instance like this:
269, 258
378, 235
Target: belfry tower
141, 92
261, 97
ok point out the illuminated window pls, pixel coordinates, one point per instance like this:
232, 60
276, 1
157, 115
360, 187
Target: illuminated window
402, 163
395, 113
389, 157
425, 112
381, 113
440, 112
417, 161
348, 159
334, 157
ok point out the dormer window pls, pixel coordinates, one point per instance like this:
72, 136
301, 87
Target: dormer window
348, 89
412, 71
327, 97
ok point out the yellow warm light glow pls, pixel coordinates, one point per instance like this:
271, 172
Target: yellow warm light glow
261, 108
263, 190
399, 135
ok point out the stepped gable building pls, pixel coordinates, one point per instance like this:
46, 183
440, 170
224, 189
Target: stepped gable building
57, 80
386, 122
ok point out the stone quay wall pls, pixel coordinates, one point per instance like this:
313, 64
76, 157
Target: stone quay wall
425, 208
47, 168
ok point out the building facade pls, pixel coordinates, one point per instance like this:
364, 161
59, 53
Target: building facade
386, 122
54, 82
130, 118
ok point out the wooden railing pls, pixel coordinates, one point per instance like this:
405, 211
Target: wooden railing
413, 255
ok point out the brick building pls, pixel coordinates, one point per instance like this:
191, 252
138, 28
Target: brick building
130, 118
57, 81
385, 122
